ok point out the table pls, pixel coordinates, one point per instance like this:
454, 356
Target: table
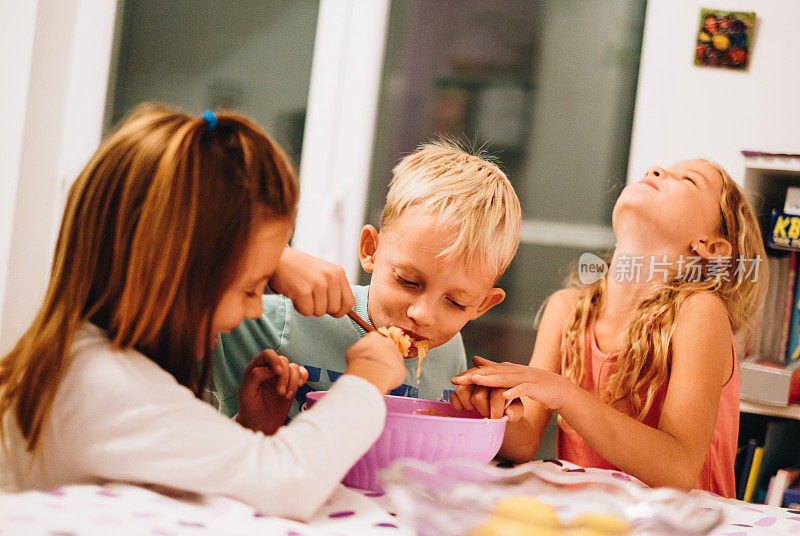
122, 509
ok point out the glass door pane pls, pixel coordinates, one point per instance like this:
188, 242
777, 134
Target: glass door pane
546, 86
252, 56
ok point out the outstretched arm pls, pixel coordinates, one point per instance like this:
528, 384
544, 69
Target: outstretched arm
672, 454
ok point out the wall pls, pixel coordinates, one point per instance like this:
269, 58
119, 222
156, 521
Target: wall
684, 111
64, 96
17, 23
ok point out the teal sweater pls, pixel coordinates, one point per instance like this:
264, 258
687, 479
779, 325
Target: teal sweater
320, 345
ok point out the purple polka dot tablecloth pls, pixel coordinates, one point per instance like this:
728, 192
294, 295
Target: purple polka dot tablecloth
121, 509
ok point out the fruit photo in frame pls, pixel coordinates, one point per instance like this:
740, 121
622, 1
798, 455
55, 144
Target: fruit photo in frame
724, 38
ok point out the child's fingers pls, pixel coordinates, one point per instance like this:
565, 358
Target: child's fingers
497, 380
465, 378
455, 402
285, 376
294, 381
464, 395
304, 303
480, 400
258, 375
348, 301
515, 410
320, 298
524, 389
497, 404
303, 375
479, 361
334, 299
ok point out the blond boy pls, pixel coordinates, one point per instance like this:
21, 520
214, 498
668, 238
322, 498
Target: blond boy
448, 231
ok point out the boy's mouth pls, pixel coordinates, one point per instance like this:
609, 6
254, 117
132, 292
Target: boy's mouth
414, 336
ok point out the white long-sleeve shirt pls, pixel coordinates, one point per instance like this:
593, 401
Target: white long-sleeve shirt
117, 415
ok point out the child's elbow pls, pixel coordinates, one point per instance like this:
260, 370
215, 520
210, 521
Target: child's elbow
683, 479
303, 509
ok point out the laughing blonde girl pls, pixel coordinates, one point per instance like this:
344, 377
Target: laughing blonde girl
640, 365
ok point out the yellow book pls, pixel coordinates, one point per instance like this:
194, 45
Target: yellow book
758, 455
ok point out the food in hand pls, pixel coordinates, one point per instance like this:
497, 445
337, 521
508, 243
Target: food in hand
407, 346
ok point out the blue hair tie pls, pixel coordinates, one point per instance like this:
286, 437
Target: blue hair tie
210, 119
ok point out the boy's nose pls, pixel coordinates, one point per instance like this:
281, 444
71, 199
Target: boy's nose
656, 172
421, 312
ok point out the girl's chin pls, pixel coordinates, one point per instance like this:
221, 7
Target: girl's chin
214, 342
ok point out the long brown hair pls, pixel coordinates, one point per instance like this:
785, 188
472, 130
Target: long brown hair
151, 236
644, 363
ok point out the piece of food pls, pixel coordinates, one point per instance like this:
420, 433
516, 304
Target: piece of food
422, 348
528, 510
399, 337
503, 526
407, 346
602, 523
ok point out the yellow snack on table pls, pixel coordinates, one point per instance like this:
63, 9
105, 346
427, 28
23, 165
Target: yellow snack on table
601, 524
503, 526
528, 510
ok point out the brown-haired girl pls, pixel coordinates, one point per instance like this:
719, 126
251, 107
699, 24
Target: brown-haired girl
169, 237
640, 365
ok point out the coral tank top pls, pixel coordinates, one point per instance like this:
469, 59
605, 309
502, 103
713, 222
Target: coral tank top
717, 473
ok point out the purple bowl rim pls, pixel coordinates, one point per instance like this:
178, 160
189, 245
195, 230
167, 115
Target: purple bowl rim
407, 416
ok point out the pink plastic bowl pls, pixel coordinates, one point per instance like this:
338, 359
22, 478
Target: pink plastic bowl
430, 438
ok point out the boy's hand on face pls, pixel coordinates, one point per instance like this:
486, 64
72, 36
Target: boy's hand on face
267, 391
376, 359
316, 287
487, 401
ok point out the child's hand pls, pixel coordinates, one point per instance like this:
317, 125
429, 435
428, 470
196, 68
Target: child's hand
316, 287
516, 381
485, 400
376, 359
267, 391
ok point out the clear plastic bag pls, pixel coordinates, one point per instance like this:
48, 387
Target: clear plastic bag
465, 498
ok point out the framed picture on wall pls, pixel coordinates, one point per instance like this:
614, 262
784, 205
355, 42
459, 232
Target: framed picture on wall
724, 38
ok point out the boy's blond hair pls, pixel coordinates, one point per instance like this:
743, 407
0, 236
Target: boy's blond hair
466, 191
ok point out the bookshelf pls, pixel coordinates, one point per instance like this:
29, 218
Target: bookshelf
792, 411
773, 428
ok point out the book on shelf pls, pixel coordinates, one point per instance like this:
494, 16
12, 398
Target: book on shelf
791, 498
776, 323
792, 353
750, 488
780, 450
747, 463
784, 231
779, 484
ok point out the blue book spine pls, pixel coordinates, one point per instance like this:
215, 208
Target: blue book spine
741, 483
793, 344
791, 498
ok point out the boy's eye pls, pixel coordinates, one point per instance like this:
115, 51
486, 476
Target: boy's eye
691, 180
456, 304
406, 283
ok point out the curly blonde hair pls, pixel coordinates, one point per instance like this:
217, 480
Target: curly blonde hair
644, 363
